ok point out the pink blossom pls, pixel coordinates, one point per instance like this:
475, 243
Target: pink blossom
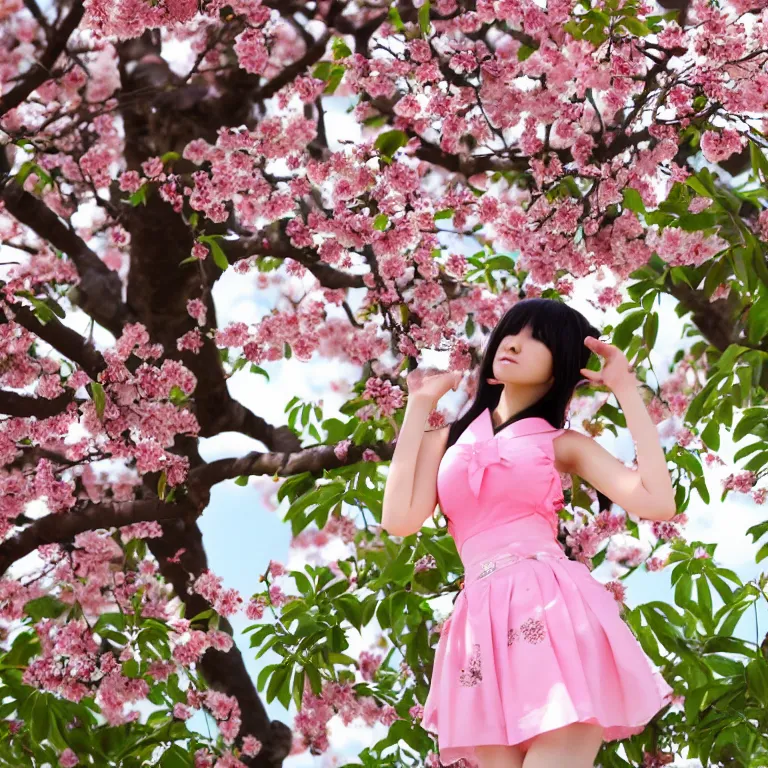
369, 663
197, 310
68, 759
251, 51
181, 711
255, 609
617, 589
251, 746
221, 641
720, 146
701, 553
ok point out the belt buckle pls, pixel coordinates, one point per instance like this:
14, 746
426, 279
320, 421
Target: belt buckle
489, 566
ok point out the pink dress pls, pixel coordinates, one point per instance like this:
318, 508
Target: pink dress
534, 641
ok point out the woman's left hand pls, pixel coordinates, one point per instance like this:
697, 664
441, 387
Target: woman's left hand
616, 371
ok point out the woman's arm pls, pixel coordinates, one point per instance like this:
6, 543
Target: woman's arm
651, 462
410, 493
582, 455
646, 492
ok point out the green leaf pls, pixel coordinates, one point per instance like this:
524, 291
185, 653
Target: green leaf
633, 200
390, 141
623, 332
322, 70
219, 257
381, 221
757, 321
525, 52
139, 197
99, 398
303, 583
111, 619
757, 680
42, 311
424, 18
352, 609
279, 680
711, 435
41, 718
298, 687
704, 596
176, 757
635, 26
131, 668
340, 49
177, 395
759, 162
395, 20
29, 167
47, 607
683, 590
337, 72
256, 369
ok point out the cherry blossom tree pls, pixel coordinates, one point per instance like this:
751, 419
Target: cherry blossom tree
553, 141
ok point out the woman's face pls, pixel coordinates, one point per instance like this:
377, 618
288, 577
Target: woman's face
533, 360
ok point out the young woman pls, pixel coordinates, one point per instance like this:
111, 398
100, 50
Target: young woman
535, 666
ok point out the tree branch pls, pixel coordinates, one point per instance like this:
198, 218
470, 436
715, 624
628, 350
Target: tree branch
57, 528
326, 275
238, 418
16, 404
314, 460
68, 342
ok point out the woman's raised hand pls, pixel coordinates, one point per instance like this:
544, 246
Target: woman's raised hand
431, 383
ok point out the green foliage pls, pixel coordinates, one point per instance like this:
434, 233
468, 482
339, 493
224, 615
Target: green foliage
389, 142
219, 257
329, 72
46, 724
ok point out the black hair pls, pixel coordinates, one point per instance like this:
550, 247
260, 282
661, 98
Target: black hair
563, 330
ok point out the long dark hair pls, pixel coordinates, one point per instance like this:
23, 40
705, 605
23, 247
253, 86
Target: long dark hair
563, 329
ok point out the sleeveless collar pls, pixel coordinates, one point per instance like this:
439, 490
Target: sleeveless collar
483, 426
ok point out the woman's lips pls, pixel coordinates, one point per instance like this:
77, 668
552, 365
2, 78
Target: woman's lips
507, 360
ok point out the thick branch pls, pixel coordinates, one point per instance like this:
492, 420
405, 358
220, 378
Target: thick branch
326, 275
314, 460
57, 528
41, 70
15, 404
70, 343
468, 166
238, 418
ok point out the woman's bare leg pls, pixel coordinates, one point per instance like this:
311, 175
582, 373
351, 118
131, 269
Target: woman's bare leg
573, 746
499, 756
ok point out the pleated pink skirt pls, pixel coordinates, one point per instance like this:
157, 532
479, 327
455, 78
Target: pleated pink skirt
534, 643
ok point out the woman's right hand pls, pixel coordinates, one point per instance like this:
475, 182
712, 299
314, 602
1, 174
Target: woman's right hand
431, 383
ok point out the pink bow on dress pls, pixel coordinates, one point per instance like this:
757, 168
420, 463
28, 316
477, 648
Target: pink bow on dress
481, 454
